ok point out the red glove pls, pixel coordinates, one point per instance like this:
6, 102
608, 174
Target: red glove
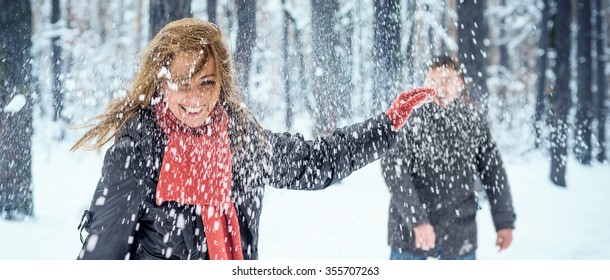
405, 103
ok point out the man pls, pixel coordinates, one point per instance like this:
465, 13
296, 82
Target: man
432, 175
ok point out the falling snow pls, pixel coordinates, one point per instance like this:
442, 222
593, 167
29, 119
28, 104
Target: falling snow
347, 220
15, 104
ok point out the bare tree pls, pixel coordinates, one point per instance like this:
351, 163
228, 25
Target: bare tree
211, 9
387, 59
289, 21
57, 61
410, 53
15, 110
246, 41
561, 98
504, 63
324, 41
543, 45
293, 68
584, 114
472, 33
601, 80
164, 11
346, 60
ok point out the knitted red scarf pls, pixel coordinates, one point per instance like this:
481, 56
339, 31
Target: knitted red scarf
196, 170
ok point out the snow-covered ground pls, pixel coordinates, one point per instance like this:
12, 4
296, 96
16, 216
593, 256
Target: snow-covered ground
349, 221
346, 221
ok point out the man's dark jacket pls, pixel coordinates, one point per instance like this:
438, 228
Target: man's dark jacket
433, 174
124, 222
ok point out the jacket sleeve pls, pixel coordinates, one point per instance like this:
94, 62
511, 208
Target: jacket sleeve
114, 210
495, 183
301, 164
404, 197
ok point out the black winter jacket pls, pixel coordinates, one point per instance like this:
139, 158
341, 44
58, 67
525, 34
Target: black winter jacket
124, 222
432, 174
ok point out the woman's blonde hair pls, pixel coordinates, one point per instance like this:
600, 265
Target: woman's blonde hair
184, 35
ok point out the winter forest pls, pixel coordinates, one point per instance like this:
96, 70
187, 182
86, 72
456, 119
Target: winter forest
537, 69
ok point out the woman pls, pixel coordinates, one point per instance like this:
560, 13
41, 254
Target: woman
431, 175
185, 176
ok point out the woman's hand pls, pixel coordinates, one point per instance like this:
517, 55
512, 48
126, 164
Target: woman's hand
405, 103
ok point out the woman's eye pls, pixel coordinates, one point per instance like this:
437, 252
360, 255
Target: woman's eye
208, 83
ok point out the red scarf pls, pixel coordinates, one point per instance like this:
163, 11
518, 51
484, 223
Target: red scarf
196, 170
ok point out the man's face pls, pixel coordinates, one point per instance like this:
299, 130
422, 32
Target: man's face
447, 83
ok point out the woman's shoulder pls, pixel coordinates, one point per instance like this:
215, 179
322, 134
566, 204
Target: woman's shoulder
141, 124
136, 151
140, 139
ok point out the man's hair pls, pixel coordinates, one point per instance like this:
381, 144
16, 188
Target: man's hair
451, 63
445, 61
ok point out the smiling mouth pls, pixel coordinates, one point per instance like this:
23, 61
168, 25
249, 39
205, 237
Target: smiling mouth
192, 111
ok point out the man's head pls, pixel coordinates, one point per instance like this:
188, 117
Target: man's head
445, 76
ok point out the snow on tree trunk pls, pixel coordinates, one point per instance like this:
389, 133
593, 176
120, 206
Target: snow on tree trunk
325, 64
57, 62
293, 67
15, 123
584, 114
246, 42
346, 60
601, 81
472, 36
387, 59
286, 65
561, 97
543, 45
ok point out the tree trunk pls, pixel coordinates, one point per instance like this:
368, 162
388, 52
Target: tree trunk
444, 49
246, 42
325, 65
15, 121
543, 45
346, 64
102, 22
163, 12
286, 66
138, 29
430, 35
504, 69
409, 57
387, 57
561, 98
584, 112
503, 46
601, 81
57, 62
297, 65
211, 8
472, 33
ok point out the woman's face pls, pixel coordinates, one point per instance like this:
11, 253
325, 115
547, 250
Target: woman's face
191, 96
447, 82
